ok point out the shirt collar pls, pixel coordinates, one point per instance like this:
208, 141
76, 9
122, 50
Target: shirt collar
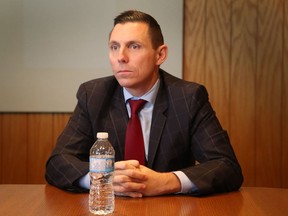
149, 96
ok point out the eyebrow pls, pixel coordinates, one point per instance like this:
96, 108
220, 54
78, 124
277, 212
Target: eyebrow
127, 42
113, 42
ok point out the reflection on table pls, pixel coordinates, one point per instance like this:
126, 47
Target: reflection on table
48, 200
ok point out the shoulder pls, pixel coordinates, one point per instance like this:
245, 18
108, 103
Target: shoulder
99, 83
183, 96
177, 87
99, 86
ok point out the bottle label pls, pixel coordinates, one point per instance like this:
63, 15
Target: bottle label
101, 164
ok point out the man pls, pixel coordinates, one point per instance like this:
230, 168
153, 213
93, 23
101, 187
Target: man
186, 149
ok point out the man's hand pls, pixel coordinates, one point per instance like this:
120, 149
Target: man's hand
134, 180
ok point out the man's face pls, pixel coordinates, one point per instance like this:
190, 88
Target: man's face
134, 61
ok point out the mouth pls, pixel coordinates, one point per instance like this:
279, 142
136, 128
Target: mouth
123, 71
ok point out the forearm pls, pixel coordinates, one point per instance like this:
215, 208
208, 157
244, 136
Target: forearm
215, 176
63, 171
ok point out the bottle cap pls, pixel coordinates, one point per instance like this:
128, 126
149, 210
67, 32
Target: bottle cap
102, 135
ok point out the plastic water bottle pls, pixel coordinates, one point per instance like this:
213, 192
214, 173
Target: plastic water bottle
102, 157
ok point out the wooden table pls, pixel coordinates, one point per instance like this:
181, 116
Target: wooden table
48, 200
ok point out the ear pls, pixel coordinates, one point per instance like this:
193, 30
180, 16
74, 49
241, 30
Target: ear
162, 53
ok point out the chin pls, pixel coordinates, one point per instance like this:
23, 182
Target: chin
124, 83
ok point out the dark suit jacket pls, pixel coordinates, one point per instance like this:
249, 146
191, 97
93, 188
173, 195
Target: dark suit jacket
184, 130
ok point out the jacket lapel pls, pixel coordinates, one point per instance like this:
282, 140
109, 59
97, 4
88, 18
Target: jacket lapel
158, 123
119, 118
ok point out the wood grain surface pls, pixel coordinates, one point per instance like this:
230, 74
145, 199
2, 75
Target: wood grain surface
47, 200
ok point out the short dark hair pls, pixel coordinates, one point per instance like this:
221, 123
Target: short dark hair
138, 16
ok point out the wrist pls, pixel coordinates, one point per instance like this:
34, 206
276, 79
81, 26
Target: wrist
172, 184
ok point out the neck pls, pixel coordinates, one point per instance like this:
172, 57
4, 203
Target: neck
138, 92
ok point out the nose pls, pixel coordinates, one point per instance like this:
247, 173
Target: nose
122, 56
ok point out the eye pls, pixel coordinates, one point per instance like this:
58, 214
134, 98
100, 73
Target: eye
114, 47
134, 46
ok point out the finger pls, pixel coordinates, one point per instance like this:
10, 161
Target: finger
133, 174
129, 164
120, 179
128, 187
134, 163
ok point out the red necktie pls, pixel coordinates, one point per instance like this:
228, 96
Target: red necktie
134, 145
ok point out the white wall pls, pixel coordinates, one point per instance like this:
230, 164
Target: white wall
48, 48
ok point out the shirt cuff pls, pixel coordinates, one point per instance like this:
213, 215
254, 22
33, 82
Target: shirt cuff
84, 181
187, 186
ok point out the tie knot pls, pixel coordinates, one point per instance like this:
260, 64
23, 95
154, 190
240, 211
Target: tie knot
136, 105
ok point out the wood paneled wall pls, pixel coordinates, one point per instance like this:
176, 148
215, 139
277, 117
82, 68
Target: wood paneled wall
239, 50
26, 143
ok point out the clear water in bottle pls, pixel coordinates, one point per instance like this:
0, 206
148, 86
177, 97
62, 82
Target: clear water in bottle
101, 197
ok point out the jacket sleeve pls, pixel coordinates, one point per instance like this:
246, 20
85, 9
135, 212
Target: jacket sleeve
217, 169
69, 159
